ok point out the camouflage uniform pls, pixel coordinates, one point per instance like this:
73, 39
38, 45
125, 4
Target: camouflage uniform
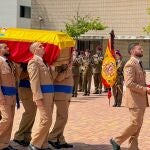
87, 74
76, 74
97, 67
118, 86
81, 73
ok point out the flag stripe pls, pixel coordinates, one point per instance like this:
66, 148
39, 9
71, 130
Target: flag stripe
19, 51
57, 38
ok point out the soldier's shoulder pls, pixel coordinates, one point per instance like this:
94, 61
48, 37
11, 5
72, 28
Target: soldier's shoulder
33, 60
32, 64
1, 62
130, 62
129, 66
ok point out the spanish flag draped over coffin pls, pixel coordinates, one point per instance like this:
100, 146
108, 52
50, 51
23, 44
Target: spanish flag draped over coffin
57, 44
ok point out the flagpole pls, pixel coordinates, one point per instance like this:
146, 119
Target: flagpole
109, 95
109, 66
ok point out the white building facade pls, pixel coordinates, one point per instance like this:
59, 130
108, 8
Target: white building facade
15, 13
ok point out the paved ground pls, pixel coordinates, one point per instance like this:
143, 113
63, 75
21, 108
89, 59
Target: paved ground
92, 123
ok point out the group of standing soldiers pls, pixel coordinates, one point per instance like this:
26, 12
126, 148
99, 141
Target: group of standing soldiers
40, 86
85, 65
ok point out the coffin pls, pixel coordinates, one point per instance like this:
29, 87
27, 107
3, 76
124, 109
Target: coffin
57, 44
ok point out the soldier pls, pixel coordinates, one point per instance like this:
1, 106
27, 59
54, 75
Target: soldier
118, 86
136, 99
63, 82
97, 67
7, 97
42, 90
87, 72
81, 72
75, 71
23, 135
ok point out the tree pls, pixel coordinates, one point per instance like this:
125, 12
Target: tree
147, 29
80, 25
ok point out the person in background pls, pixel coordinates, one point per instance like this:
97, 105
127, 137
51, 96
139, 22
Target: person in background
97, 68
118, 86
76, 63
81, 72
87, 72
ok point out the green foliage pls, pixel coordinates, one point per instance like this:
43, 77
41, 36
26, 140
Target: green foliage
80, 25
147, 29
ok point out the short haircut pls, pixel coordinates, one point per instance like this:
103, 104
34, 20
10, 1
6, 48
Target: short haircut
33, 47
131, 46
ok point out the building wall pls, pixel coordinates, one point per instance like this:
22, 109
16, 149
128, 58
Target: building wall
8, 13
23, 22
126, 17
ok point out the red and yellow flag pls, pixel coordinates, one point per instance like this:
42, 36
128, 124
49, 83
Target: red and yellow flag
109, 70
19, 41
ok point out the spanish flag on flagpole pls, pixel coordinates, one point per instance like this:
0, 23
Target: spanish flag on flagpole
109, 69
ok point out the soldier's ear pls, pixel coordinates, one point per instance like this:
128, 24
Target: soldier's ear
131, 51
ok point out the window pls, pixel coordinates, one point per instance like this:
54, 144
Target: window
25, 11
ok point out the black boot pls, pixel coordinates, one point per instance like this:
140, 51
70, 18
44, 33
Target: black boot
22, 143
85, 94
9, 148
114, 145
96, 92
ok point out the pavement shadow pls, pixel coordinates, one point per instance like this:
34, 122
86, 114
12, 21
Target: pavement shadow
83, 146
77, 146
89, 97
